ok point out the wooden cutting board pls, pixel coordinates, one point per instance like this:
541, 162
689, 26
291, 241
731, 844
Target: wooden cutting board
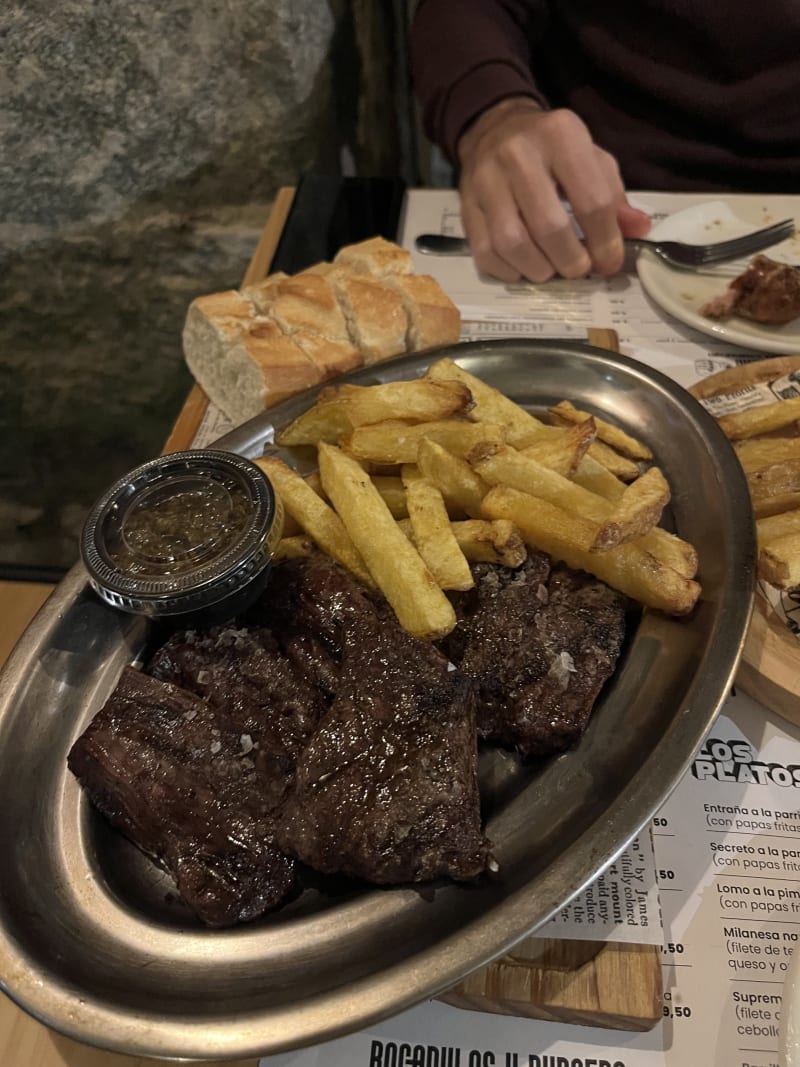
769, 671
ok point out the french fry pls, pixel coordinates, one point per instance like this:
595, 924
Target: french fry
491, 405
611, 435
421, 400
293, 548
393, 492
666, 547
775, 526
779, 561
498, 541
462, 489
626, 522
396, 442
317, 518
339, 409
620, 466
671, 551
757, 452
639, 509
517, 470
775, 488
564, 451
323, 421
432, 534
397, 568
628, 568
598, 479
313, 481
764, 419
484, 541
291, 528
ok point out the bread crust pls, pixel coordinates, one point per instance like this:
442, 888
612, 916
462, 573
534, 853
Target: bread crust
376, 256
263, 293
433, 318
331, 357
307, 302
375, 315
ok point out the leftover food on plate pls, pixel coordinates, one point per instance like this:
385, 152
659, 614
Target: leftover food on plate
251, 349
767, 292
458, 570
694, 297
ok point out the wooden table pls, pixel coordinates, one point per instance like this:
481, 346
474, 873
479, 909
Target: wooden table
583, 982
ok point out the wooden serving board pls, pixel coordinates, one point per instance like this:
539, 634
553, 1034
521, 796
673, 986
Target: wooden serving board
769, 670
588, 983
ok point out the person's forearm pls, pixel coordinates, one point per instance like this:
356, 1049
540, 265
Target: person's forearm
469, 55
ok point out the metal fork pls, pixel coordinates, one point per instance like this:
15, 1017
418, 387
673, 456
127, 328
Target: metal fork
691, 257
676, 253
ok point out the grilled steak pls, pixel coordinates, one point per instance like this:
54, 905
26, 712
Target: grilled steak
176, 777
540, 646
767, 292
320, 730
387, 787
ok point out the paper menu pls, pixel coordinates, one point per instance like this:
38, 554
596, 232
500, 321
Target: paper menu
727, 848
622, 905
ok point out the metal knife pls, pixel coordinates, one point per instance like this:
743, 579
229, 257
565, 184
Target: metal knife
437, 244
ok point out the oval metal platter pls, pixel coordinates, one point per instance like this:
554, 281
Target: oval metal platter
92, 941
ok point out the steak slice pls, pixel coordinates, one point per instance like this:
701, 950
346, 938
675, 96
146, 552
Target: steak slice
387, 788
315, 599
259, 692
540, 646
173, 774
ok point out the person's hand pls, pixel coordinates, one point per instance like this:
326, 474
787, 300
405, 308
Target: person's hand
517, 163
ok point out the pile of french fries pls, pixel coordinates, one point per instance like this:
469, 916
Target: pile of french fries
771, 463
417, 479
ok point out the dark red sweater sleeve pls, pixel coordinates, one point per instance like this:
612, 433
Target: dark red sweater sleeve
469, 54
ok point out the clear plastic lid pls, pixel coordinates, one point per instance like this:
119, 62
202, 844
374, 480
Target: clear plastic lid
181, 533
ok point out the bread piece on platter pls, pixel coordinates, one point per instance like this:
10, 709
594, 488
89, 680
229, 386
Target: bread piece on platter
263, 292
331, 357
433, 318
260, 369
377, 257
308, 302
213, 324
374, 312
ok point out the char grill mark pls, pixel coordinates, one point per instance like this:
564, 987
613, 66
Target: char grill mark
172, 774
540, 646
387, 788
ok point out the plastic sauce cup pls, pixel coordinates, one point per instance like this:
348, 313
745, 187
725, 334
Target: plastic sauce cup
190, 534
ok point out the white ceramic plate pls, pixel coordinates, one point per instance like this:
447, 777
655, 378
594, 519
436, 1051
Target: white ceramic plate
682, 293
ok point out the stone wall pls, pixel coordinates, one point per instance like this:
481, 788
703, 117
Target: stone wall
140, 147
